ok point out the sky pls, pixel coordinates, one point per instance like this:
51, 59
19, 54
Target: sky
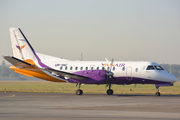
125, 30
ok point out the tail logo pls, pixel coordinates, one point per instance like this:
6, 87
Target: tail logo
20, 48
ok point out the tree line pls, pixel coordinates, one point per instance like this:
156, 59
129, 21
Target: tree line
173, 69
5, 72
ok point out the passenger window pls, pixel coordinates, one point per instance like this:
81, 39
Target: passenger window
81, 68
150, 67
66, 68
102, 68
71, 68
76, 68
123, 69
136, 70
97, 68
61, 68
86, 68
91, 68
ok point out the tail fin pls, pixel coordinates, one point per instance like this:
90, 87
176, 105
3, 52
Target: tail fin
20, 45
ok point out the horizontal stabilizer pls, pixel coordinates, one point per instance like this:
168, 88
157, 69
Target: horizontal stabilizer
17, 62
65, 74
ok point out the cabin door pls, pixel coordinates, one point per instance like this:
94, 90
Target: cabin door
129, 73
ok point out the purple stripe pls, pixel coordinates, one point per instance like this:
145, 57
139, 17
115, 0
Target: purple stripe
39, 60
167, 84
26, 39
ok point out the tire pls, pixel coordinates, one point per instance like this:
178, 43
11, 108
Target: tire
109, 92
79, 92
157, 94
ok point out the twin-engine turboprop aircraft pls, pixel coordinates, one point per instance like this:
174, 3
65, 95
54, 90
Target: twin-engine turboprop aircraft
27, 62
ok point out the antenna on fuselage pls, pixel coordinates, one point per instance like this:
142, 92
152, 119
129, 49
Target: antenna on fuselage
106, 59
81, 56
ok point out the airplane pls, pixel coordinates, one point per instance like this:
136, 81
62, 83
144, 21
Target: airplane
30, 63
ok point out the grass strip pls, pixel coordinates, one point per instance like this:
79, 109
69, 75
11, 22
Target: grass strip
52, 87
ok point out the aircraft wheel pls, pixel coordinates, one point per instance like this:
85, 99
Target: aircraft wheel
79, 92
157, 94
109, 92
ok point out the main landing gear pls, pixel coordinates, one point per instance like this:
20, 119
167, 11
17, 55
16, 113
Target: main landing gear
79, 91
109, 91
157, 91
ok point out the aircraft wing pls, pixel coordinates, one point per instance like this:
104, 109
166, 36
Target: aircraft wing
65, 74
17, 62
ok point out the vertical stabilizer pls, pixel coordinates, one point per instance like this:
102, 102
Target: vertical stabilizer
15, 44
20, 45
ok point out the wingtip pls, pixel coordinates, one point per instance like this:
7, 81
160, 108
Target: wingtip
4, 56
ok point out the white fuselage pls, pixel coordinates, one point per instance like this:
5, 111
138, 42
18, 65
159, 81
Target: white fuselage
123, 69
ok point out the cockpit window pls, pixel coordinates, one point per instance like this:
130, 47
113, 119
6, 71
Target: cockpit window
158, 67
150, 67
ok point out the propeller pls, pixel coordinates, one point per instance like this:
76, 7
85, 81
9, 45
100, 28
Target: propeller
109, 73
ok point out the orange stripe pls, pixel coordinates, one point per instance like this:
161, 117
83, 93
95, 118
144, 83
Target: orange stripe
34, 71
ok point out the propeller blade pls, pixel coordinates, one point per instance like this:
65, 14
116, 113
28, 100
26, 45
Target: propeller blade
134, 85
109, 73
111, 64
107, 79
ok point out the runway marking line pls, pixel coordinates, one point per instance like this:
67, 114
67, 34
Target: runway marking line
11, 96
8, 96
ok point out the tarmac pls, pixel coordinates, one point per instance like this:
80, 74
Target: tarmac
67, 106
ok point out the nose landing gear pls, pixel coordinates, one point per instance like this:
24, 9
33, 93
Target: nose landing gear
157, 91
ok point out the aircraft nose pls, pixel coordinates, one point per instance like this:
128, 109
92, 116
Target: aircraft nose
172, 78
168, 77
